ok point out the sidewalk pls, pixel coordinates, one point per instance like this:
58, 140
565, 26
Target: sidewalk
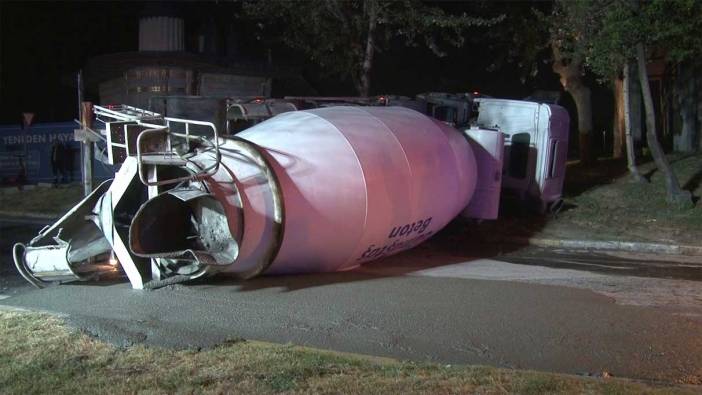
19, 215
611, 245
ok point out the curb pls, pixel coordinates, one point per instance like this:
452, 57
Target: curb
629, 246
28, 214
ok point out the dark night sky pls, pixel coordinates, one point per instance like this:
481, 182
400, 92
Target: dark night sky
43, 45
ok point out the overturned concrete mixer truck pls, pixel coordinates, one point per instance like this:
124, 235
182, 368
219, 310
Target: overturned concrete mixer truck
319, 190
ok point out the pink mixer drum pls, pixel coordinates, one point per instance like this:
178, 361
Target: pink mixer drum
357, 184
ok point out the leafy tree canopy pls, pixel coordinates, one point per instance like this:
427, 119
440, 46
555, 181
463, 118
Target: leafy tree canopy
605, 32
342, 35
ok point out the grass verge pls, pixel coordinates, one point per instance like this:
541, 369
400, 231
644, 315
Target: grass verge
624, 210
602, 203
40, 354
42, 200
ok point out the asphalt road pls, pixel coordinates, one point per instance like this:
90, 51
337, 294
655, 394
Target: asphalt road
629, 315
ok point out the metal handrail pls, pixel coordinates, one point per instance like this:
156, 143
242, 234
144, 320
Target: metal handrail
187, 122
124, 112
208, 171
151, 120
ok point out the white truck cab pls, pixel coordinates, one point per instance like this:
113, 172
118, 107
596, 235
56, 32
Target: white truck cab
536, 147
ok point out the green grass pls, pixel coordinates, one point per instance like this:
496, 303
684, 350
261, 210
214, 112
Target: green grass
602, 203
621, 209
39, 354
42, 200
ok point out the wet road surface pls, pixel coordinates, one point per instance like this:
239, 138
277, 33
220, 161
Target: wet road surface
630, 315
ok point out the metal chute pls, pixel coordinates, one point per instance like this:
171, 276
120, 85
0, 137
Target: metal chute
62, 251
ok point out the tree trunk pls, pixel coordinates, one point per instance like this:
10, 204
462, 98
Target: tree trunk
630, 155
619, 124
367, 64
635, 105
583, 104
686, 97
675, 195
570, 73
698, 88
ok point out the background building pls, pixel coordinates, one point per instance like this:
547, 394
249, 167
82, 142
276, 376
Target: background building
198, 58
